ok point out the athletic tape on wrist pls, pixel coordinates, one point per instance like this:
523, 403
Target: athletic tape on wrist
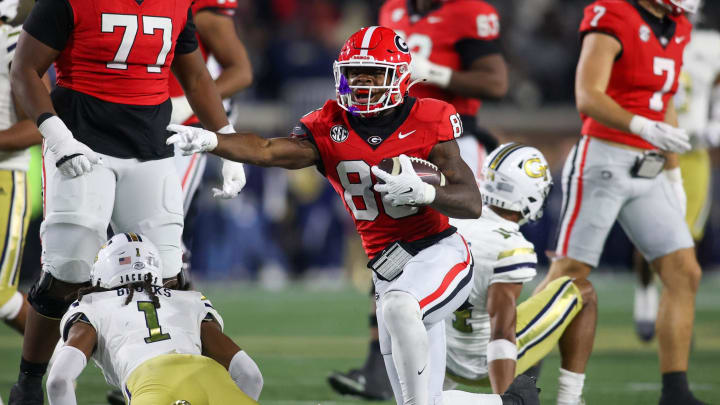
227, 129
501, 349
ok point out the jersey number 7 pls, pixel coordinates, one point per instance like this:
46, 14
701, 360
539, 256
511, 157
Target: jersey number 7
130, 23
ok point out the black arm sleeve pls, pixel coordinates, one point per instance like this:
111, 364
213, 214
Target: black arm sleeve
50, 22
471, 49
187, 40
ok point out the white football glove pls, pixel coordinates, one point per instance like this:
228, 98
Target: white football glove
406, 188
232, 172
422, 69
181, 110
662, 135
191, 139
72, 158
674, 177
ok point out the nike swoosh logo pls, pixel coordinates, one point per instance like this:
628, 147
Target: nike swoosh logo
434, 20
423, 369
401, 135
409, 190
679, 39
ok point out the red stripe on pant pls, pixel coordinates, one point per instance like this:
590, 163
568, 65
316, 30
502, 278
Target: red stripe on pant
449, 277
578, 199
189, 170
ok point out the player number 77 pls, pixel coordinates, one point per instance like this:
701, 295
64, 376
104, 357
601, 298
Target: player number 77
130, 23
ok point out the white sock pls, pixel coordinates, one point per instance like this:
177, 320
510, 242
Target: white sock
468, 398
410, 349
646, 302
11, 309
570, 387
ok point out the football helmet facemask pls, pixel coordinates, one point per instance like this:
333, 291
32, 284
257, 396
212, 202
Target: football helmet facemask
680, 6
124, 259
373, 47
516, 178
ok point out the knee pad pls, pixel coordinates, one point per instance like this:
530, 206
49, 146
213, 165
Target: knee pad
400, 307
69, 250
51, 297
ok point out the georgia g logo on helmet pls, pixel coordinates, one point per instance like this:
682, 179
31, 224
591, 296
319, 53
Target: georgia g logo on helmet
535, 169
401, 45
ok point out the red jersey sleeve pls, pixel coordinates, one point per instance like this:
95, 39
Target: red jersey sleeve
225, 7
450, 125
475, 20
606, 17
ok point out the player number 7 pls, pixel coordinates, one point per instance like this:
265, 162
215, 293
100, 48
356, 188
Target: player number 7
130, 23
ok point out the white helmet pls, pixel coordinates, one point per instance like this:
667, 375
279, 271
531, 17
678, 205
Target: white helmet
516, 178
126, 258
8, 9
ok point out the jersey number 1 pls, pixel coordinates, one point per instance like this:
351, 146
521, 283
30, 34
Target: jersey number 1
151, 320
130, 23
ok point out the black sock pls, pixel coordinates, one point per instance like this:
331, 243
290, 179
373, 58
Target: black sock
511, 399
675, 383
31, 372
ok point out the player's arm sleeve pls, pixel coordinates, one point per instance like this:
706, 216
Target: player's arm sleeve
78, 312
514, 264
51, 22
479, 27
208, 313
606, 19
449, 125
187, 40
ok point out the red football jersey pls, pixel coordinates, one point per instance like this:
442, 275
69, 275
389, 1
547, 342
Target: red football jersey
226, 7
645, 76
435, 34
347, 157
120, 51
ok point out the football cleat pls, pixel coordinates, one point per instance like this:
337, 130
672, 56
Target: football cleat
360, 383
115, 397
522, 391
26, 394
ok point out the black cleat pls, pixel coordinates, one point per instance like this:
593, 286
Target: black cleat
522, 391
115, 397
26, 394
358, 382
685, 399
645, 330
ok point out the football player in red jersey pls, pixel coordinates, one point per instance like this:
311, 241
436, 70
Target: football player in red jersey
456, 53
625, 165
421, 266
105, 157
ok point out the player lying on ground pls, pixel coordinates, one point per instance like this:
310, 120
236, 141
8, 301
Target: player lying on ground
492, 339
427, 273
158, 345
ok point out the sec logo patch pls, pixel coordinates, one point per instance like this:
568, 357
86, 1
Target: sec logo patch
338, 133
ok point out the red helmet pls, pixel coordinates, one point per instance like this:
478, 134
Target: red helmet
680, 6
377, 47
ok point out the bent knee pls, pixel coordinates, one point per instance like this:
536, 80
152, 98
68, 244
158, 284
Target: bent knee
587, 292
569, 267
679, 271
399, 306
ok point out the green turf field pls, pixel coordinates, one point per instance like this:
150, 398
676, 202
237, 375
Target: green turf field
298, 336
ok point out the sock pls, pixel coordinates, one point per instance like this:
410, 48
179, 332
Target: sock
570, 387
455, 397
410, 346
31, 372
675, 383
12, 307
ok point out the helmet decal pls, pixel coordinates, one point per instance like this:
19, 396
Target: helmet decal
401, 45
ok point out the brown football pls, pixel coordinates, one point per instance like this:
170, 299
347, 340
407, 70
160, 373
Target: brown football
428, 172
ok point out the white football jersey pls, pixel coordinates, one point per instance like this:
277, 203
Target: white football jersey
701, 67
16, 160
130, 334
501, 255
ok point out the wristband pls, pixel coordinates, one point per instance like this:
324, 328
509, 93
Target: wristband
227, 129
637, 123
674, 175
43, 117
440, 75
501, 349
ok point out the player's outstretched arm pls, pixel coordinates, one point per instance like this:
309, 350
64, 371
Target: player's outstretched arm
242, 369
218, 34
200, 90
460, 198
69, 362
502, 349
288, 153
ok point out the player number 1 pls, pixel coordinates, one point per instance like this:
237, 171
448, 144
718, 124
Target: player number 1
152, 322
